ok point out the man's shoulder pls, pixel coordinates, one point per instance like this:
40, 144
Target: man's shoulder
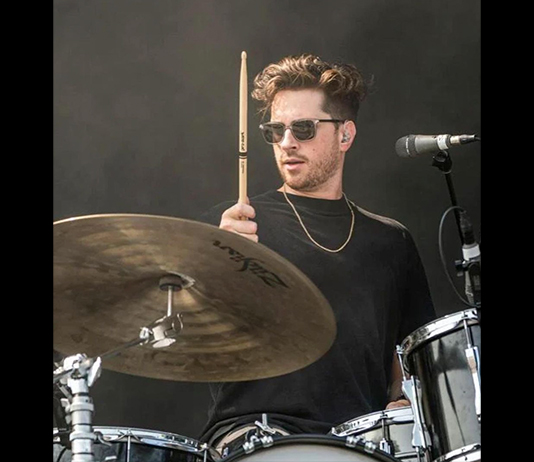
381, 219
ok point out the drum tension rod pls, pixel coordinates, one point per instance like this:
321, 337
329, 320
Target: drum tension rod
385, 444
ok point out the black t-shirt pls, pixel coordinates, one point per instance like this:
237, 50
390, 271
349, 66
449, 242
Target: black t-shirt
379, 294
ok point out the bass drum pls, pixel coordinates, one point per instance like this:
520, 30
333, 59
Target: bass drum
444, 356
123, 444
391, 430
309, 448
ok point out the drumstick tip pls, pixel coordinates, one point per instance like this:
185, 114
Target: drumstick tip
243, 55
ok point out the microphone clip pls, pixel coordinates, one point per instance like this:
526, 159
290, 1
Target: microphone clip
471, 269
442, 161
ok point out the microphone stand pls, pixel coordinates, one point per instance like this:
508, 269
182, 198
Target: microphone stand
469, 267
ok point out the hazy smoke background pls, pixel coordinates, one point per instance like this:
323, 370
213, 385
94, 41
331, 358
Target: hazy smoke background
146, 121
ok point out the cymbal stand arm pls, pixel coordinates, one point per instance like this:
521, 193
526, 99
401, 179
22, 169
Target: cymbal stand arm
144, 337
159, 333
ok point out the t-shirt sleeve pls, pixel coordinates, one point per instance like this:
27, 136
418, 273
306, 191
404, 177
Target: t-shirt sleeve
418, 308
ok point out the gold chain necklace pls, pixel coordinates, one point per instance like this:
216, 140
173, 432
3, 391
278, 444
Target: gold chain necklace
308, 234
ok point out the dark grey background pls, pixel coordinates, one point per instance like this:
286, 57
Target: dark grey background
146, 121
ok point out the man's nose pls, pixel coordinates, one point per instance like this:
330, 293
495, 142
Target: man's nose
288, 140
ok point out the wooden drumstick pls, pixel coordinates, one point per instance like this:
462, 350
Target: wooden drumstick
243, 90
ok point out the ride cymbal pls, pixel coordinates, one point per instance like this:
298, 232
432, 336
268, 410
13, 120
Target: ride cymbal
247, 313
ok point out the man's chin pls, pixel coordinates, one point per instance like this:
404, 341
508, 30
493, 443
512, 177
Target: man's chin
301, 186
298, 182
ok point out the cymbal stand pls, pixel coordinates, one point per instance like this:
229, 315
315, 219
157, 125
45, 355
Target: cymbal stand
78, 372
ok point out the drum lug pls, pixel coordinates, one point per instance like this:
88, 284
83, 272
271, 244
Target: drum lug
267, 441
412, 390
385, 445
369, 446
352, 441
250, 446
473, 360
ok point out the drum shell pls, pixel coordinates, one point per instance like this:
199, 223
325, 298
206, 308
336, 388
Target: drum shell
440, 364
395, 426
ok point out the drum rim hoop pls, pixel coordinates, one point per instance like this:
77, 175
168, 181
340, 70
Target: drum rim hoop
157, 438
314, 438
437, 328
386, 414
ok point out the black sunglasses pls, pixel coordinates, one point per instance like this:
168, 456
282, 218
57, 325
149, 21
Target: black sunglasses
302, 129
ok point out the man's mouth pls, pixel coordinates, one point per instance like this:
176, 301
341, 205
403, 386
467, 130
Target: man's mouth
293, 161
293, 165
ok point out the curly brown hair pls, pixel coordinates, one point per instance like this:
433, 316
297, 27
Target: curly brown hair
343, 84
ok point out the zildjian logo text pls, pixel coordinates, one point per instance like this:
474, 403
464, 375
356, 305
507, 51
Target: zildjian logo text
253, 265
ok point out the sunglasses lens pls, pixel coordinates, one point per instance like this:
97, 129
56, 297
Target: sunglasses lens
272, 133
303, 130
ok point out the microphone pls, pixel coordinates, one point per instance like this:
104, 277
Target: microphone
415, 145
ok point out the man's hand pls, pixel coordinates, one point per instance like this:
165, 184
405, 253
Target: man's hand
237, 219
399, 403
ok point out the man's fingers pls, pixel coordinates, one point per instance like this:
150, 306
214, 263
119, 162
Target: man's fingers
238, 219
238, 212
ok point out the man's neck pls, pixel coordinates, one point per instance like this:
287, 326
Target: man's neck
330, 193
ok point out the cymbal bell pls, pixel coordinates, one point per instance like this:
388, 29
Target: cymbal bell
247, 312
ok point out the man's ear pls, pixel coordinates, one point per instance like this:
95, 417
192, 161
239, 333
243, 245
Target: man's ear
348, 134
